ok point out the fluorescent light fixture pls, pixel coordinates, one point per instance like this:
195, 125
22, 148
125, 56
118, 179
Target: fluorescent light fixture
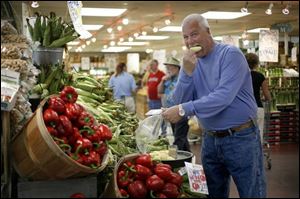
92, 27
73, 43
152, 37
224, 15
218, 38
171, 29
116, 49
133, 43
102, 12
257, 30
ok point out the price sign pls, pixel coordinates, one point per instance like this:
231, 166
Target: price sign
197, 178
268, 45
75, 13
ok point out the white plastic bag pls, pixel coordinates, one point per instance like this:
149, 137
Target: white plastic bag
148, 131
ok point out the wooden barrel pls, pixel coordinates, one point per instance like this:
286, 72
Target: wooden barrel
37, 157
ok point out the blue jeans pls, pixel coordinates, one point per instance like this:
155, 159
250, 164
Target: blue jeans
239, 155
154, 104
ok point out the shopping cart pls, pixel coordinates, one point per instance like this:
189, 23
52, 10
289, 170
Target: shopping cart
265, 135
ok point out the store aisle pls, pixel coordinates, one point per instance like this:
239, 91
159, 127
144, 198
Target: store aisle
282, 178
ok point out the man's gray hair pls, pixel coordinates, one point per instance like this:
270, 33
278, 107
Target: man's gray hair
197, 17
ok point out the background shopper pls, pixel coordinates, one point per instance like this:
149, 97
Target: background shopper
166, 88
155, 76
123, 86
259, 83
215, 85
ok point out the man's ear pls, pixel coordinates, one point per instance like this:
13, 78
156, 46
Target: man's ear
208, 30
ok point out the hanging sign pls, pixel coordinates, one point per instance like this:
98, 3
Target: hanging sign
283, 27
268, 45
75, 13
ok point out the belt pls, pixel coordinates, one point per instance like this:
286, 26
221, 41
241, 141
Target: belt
230, 131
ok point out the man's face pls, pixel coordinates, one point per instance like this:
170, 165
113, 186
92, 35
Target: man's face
153, 66
195, 35
172, 70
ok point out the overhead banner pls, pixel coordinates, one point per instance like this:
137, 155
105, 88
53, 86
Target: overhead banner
75, 13
268, 45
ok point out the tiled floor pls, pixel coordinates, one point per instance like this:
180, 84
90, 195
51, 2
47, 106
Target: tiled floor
282, 178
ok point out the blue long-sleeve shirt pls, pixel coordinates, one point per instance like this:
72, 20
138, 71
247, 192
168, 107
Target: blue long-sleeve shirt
219, 91
122, 85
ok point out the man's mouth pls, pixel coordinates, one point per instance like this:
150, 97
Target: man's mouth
196, 48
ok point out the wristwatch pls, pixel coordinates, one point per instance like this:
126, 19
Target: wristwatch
181, 110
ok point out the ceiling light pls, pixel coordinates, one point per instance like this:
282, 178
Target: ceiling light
116, 49
144, 33
102, 12
155, 29
136, 35
171, 29
121, 39
133, 43
92, 27
245, 8
119, 28
35, 4
152, 37
112, 43
105, 46
257, 30
83, 46
73, 43
88, 42
184, 47
125, 21
224, 15
269, 10
286, 10
94, 39
130, 39
167, 21
149, 50
109, 30
218, 38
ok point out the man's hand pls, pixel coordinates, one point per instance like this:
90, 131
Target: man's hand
171, 114
189, 62
166, 77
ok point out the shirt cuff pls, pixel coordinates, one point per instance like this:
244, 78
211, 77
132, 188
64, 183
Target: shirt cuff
188, 108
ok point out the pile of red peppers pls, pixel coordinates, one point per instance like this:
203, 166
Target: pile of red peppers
142, 178
74, 129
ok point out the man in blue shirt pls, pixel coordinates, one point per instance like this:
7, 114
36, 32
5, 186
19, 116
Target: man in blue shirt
123, 86
215, 85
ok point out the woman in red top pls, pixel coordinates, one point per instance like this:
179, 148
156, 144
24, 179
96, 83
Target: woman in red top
155, 76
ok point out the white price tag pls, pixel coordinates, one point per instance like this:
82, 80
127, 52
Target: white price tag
197, 178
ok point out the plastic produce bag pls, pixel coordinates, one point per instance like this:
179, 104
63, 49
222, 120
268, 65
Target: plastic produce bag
149, 130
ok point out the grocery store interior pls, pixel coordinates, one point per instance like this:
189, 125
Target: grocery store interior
69, 128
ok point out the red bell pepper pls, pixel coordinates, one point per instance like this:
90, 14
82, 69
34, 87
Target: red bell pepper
144, 160
83, 144
163, 172
85, 119
137, 189
91, 134
52, 131
123, 179
176, 179
73, 111
68, 94
106, 133
66, 124
93, 159
57, 104
77, 195
164, 165
159, 195
142, 172
100, 148
170, 190
124, 193
50, 117
154, 183
75, 136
